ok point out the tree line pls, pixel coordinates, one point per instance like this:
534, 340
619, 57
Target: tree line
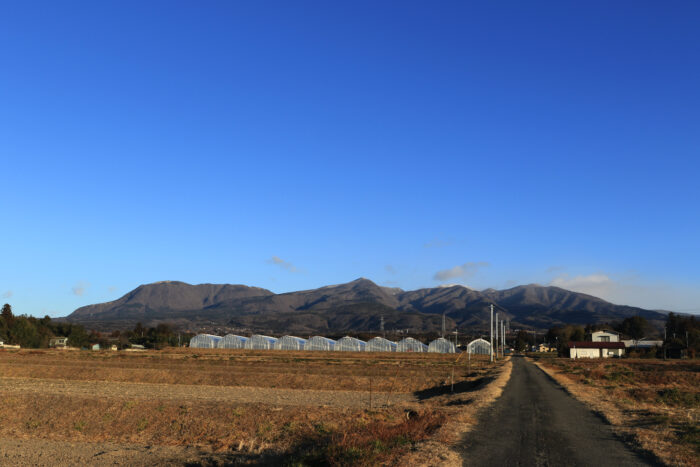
35, 333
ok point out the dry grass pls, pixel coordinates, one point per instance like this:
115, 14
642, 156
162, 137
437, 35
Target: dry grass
330, 434
270, 369
652, 403
461, 419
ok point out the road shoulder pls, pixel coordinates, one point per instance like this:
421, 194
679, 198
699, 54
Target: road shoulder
443, 449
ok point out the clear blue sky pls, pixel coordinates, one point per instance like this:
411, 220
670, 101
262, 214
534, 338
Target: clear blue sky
291, 145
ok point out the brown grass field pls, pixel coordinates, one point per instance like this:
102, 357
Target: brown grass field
275, 407
654, 404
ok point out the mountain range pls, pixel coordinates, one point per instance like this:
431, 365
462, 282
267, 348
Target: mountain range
359, 305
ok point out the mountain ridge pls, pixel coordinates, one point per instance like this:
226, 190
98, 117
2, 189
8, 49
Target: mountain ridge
352, 306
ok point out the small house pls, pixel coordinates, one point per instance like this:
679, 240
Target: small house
596, 349
605, 336
58, 342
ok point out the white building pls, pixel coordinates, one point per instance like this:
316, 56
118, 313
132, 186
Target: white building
643, 343
605, 336
596, 349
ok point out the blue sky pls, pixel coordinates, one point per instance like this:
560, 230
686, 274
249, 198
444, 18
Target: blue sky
291, 145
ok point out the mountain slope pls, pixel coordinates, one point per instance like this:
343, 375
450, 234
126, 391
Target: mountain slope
165, 297
354, 306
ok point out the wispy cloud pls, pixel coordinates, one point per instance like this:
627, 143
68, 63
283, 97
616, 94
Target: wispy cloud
390, 269
276, 260
437, 243
460, 271
80, 288
552, 269
7, 294
633, 290
592, 284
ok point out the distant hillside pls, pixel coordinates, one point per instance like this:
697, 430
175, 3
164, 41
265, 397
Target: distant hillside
354, 306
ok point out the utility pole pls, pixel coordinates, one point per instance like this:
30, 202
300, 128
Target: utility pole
443, 325
381, 326
664, 342
491, 332
496, 336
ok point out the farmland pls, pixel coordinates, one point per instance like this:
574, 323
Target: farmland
654, 404
174, 407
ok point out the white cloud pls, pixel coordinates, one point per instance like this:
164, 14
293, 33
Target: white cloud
552, 269
634, 291
80, 288
437, 243
7, 294
594, 284
283, 264
459, 271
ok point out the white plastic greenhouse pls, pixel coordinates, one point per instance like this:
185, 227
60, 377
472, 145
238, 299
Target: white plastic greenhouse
409, 344
379, 344
260, 342
479, 346
204, 341
232, 341
319, 343
290, 343
350, 344
441, 345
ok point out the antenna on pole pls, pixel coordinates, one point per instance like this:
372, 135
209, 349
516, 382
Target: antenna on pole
491, 332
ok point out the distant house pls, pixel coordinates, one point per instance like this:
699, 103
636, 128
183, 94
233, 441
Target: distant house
545, 348
95, 346
643, 343
605, 336
58, 342
598, 349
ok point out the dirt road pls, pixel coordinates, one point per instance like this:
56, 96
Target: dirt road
536, 423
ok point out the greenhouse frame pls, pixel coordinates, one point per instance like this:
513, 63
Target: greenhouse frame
380, 344
260, 342
204, 341
441, 345
290, 343
409, 344
319, 343
232, 341
479, 346
350, 344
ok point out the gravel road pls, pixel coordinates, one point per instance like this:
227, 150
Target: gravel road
242, 394
536, 423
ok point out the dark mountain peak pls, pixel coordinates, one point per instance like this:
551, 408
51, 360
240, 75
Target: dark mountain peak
531, 305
